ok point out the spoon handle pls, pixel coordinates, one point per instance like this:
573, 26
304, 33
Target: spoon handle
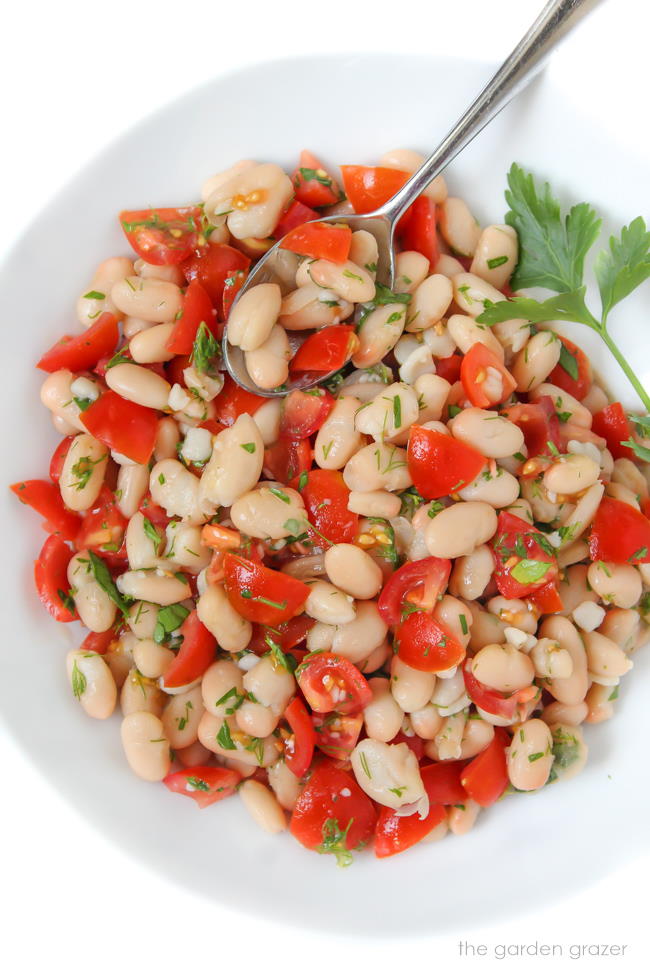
556, 19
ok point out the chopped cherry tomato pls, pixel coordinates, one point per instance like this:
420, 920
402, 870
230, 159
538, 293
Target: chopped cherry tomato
425, 644
485, 779
299, 747
156, 515
51, 578
322, 241
525, 560
326, 497
337, 734
415, 743
206, 784
262, 595
212, 268
442, 782
195, 655
619, 533
125, 427
312, 183
286, 459
333, 814
326, 350
175, 368
420, 231
369, 187
305, 413
294, 216
100, 642
45, 498
485, 388
197, 308
163, 236
573, 371
233, 400
287, 635
440, 465
418, 583
394, 834
547, 599
232, 287
449, 368
494, 702
539, 424
612, 425
103, 530
80, 352
58, 459
332, 683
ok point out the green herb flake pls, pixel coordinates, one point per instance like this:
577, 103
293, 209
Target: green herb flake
248, 447
152, 534
95, 295
529, 570
335, 842
493, 262
224, 738
78, 680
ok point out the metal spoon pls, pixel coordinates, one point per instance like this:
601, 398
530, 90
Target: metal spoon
527, 58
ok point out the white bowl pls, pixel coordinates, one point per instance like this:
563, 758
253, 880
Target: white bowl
529, 849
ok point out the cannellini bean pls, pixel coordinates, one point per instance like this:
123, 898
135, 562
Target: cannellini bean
141, 694
448, 266
311, 306
383, 716
412, 689
408, 161
364, 251
268, 364
600, 703
92, 683
284, 783
167, 436
596, 399
62, 427
132, 484
152, 659
389, 774
150, 345
166, 272
154, 586
569, 750
145, 746
142, 618
430, 302
390, 413
513, 612
551, 660
176, 490
377, 658
486, 628
222, 682
471, 293
181, 716
604, 657
575, 552
522, 509
461, 818
477, 735
448, 690
57, 396
141, 551
512, 335
456, 616
263, 806
621, 493
530, 755
231, 631
254, 315
618, 584
573, 714
221, 179
327, 604
97, 298
348, 280
419, 363
626, 472
154, 301
574, 588
267, 420
448, 740
623, 626
471, 574
500, 489
426, 722
503, 668
255, 719
486, 431
377, 467
366, 631
571, 474
411, 268
564, 403
353, 571
338, 439
119, 657
458, 227
536, 360
254, 198
567, 690
460, 528
588, 616
321, 637
246, 751
132, 326
496, 254
83, 472
185, 548
271, 684
270, 511
374, 504
578, 520
235, 464
95, 607
378, 334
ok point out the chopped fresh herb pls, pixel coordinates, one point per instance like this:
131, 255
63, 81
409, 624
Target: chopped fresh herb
463, 624
231, 695
639, 450
399, 790
66, 599
104, 579
96, 295
335, 842
397, 412
302, 480
83, 470
529, 570
313, 174
78, 680
519, 457
435, 508
372, 267
83, 402
394, 317
197, 785
280, 494
387, 548
411, 499
327, 448
248, 447
161, 478
169, 619
118, 359
493, 262
205, 350
256, 745
182, 721
224, 737
269, 602
640, 554
453, 410
552, 448
384, 296
350, 274
152, 534
280, 658
535, 756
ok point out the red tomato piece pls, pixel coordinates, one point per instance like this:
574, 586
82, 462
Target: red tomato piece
262, 595
195, 655
197, 308
539, 424
442, 782
294, 216
494, 702
326, 241
425, 644
126, 427
232, 401
547, 599
80, 352
394, 834
51, 578
332, 683
58, 459
45, 498
100, 642
419, 583
162, 236
212, 268
299, 746
369, 187
287, 635
612, 424
573, 371
313, 185
619, 533
304, 413
287, 459
103, 530
156, 515
420, 230
415, 743
333, 814
232, 287
326, 497
326, 350
523, 565
206, 784
440, 465
485, 779
449, 368
482, 388
337, 734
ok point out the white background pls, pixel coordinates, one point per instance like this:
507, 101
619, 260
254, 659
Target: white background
73, 75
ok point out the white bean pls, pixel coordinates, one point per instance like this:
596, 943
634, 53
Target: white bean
571, 474
430, 302
145, 746
618, 584
460, 528
466, 332
366, 631
498, 241
82, 475
152, 659
268, 364
600, 703
231, 631
311, 306
471, 293
427, 722
132, 484
536, 360
271, 684
154, 586
181, 717
246, 751
267, 420
142, 620
141, 694
284, 783
471, 574
97, 298
461, 818
348, 280
270, 511
374, 504
338, 439
95, 607
253, 200
378, 334
408, 161
139, 385
389, 414
154, 301
235, 464
551, 660
254, 315
411, 268
530, 756
486, 431
353, 571
176, 490
57, 396
412, 689
378, 467
150, 345
263, 806
364, 251
503, 668
389, 774
92, 683
499, 489
458, 227
567, 690
327, 604
221, 687
383, 716
605, 659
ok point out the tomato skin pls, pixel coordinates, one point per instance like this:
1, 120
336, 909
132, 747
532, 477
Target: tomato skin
232, 401
299, 748
232, 287
304, 413
262, 584
612, 425
82, 352
326, 350
475, 363
539, 424
560, 377
619, 533
51, 577
440, 465
513, 531
369, 187
197, 308
332, 793
215, 783
100, 642
294, 216
414, 742
427, 645
420, 231
547, 599
314, 190
326, 497
484, 697
449, 367
394, 834
103, 530
195, 655
287, 459
58, 459
121, 425
485, 779
45, 498
343, 676
322, 241
212, 268
156, 243
337, 734
442, 780
427, 577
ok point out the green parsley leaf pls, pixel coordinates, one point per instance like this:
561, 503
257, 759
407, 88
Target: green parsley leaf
197, 785
224, 738
104, 579
624, 266
205, 350
313, 174
280, 658
639, 450
119, 358
529, 570
83, 402
535, 756
66, 599
96, 295
280, 494
335, 842
569, 362
169, 619
78, 680
152, 534
384, 296
248, 447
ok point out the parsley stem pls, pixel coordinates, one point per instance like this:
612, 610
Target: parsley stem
625, 366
